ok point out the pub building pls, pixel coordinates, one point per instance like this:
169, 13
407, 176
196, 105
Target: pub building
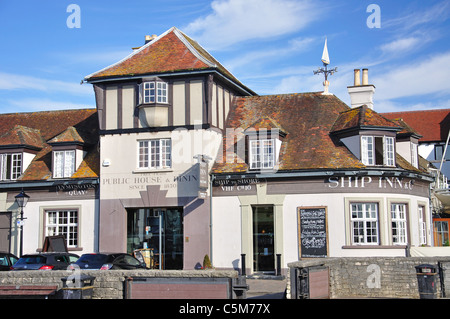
50, 158
306, 176
182, 160
161, 113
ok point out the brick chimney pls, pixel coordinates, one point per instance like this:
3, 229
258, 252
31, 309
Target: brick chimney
361, 94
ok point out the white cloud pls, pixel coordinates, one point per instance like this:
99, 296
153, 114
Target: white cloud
432, 76
294, 46
401, 45
234, 21
437, 13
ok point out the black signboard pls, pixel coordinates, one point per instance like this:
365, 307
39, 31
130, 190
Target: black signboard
54, 244
313, 232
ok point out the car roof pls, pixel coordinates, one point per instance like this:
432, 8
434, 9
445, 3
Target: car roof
49, 254
108, 254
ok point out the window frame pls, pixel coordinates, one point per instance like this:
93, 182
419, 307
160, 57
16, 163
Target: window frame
369, 150
152, 156
441, 234
13, 172
364, 219
439, 150
72, 236
415, 155
421, 212
63, 171
399, 223
260, 156
153, 92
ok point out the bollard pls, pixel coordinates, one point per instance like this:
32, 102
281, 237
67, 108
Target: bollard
243, 264
278, 265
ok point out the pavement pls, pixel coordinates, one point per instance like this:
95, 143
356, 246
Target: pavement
266, 288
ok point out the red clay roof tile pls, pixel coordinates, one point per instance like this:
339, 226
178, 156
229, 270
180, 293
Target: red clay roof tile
433, 125
308, 119
66, 125
171, 52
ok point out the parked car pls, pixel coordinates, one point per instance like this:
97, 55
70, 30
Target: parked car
45, 261
106, 261
7, 260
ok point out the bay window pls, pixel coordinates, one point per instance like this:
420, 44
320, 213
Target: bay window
422, 225
364, 223
398, 220
153, 92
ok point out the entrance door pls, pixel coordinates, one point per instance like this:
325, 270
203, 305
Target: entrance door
263, 239
161, 231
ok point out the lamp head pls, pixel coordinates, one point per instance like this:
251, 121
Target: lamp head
22, 199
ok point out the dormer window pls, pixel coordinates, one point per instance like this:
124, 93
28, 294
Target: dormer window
378, 150
153, 92
263, 144
262, 154
63, 163
10, 166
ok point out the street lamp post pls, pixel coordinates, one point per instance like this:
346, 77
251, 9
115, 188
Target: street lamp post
21, 200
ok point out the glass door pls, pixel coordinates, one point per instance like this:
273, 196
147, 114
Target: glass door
263, 239
160, 231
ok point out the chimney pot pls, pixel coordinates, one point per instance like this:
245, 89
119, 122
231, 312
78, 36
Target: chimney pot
149, 38
361, 94
357, 80
365, 77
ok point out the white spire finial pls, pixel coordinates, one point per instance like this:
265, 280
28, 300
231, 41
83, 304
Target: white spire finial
325, 56
324, 70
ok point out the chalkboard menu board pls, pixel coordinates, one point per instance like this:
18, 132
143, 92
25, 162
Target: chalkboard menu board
313, 232
54, 243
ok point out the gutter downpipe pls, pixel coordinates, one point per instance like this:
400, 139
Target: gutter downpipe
210, 219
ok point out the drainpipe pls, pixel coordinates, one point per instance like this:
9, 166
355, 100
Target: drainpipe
211, 179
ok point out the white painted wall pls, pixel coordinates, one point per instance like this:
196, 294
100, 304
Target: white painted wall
227, 225
123, 179
33, 229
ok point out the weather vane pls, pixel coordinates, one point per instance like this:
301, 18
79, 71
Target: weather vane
324, 70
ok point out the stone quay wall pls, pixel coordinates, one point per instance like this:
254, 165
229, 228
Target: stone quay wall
108, 284
375, 277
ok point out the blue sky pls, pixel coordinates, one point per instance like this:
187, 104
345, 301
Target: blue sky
272, 46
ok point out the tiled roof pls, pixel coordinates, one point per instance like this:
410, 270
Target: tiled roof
406, 129
171, 52
68, 126
266, 123
433, 125
22, 136
69, 135
362, 117
50, 123
308, 120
